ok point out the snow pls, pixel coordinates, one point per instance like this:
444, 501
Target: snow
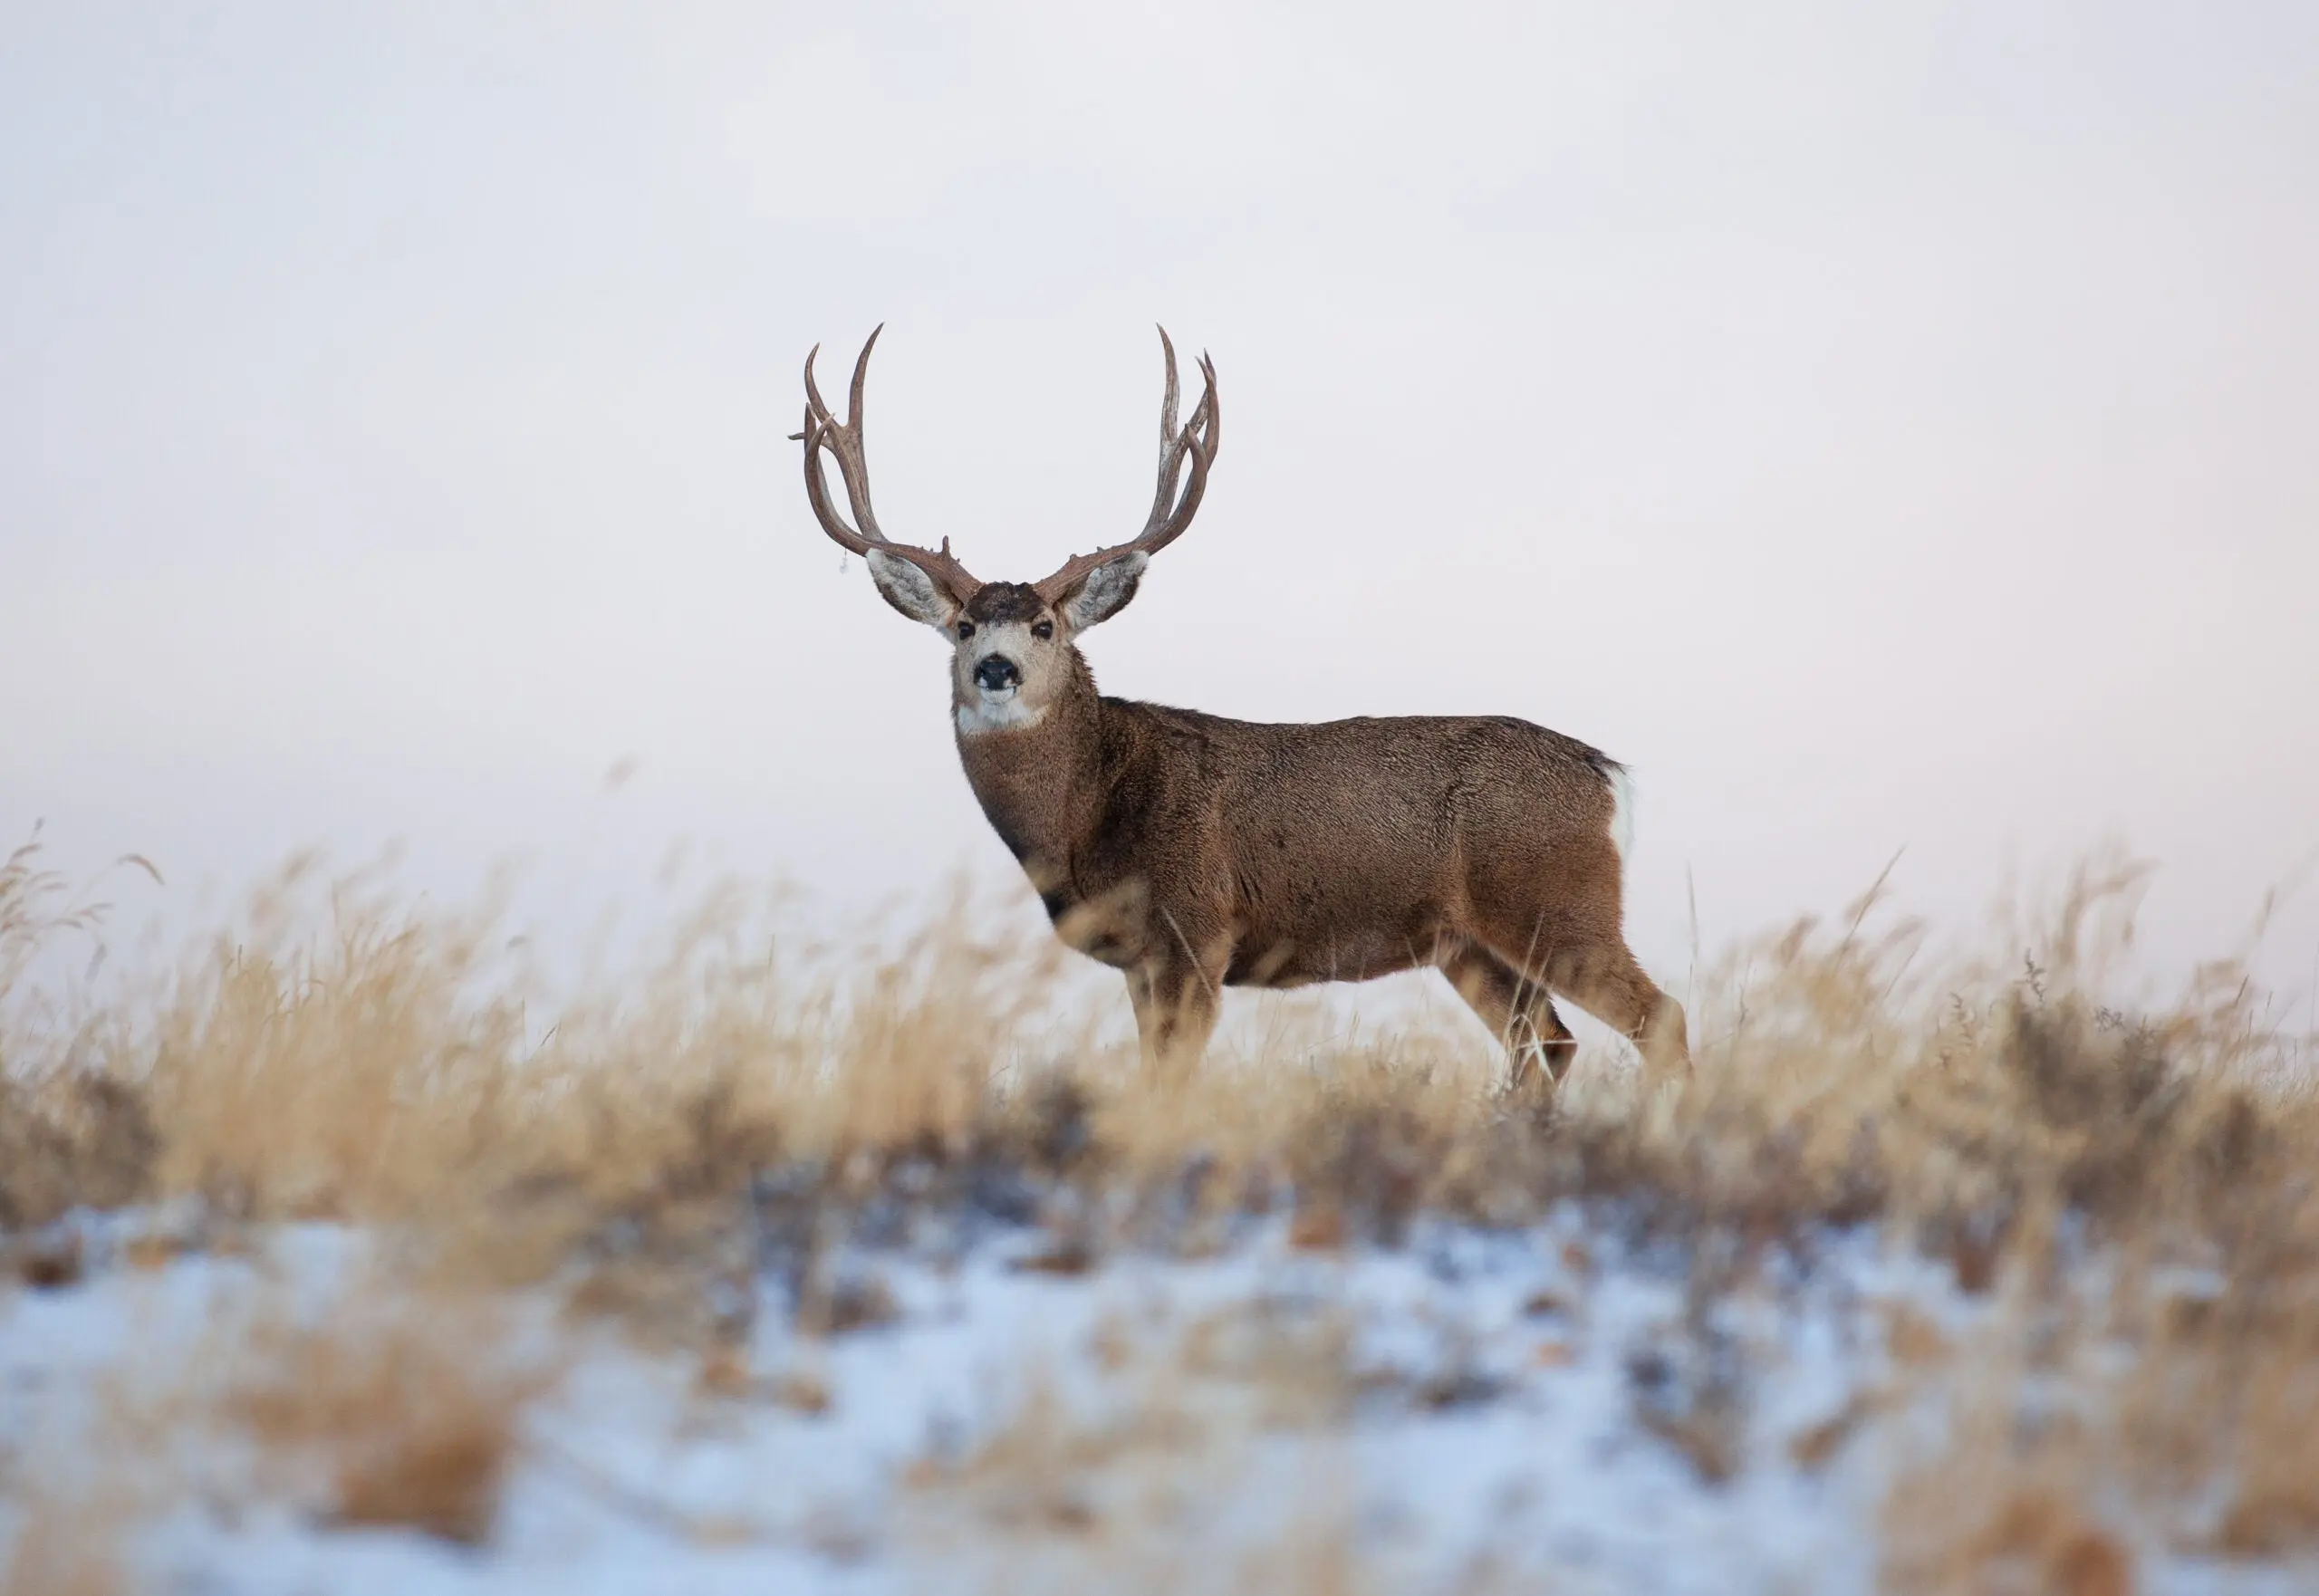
1470, 1404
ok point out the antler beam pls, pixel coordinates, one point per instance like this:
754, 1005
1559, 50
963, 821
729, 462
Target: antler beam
1170, 515
843, 440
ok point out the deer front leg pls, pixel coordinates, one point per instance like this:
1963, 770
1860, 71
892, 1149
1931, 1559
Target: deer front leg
1539, 1045
1175, 1013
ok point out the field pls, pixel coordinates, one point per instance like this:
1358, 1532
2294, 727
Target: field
871, 1264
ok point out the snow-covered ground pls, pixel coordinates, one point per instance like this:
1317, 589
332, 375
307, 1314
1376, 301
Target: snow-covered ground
1470, 1411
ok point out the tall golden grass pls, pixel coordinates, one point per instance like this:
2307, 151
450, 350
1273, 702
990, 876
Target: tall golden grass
760, 1096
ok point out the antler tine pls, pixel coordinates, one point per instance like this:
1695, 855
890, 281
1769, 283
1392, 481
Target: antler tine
843, 439
853, 389
1171, 447
1170, 515
1214, 434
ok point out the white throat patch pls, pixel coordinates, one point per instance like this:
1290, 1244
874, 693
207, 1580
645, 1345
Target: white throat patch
996, 712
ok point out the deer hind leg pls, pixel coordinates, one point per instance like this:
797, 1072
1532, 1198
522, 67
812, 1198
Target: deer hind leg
1520, 1012
1175, 1013
1607, 983
1603, 979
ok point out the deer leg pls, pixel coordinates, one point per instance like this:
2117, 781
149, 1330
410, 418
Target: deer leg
1175, 1013
1519, 1011
1606, 982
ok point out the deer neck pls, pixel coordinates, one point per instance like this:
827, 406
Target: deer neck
1041, 784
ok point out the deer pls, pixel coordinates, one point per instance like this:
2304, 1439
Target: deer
1194, 854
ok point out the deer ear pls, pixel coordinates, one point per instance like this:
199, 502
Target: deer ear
911, 591
1104, 591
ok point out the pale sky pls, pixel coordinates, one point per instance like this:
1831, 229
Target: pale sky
1880, 425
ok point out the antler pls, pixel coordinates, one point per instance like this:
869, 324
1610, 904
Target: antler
843, 439
1169, 515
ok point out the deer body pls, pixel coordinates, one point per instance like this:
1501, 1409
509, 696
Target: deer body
1194, 853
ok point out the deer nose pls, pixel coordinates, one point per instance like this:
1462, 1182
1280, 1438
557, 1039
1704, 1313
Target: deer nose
995, 671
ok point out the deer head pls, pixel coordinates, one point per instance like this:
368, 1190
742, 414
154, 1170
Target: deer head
1012, 652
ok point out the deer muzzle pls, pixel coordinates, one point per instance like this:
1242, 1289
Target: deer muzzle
995, 673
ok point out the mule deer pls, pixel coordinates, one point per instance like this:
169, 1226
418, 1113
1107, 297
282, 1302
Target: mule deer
1194, 854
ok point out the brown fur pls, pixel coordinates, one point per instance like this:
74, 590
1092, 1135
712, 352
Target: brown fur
1194, 853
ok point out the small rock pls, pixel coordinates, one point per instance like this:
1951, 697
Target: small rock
50, 1259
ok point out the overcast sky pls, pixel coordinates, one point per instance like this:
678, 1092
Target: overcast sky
1880, 425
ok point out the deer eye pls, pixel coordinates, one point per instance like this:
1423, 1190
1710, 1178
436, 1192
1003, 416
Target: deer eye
965, 630
1042, 629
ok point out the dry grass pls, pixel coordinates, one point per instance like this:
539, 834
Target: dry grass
1103, 1496
388, 1403
67, 1135
64, 1550
403, 1409
759, 1101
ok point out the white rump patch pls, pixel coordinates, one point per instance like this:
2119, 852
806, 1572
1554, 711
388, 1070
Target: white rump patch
1623, 813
